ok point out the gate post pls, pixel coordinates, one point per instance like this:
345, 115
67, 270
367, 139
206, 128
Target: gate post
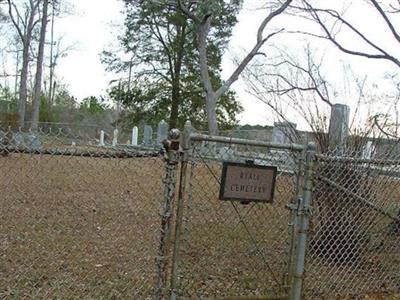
303, 212
180, 204
172, 158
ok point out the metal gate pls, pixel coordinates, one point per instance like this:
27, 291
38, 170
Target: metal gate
222, 249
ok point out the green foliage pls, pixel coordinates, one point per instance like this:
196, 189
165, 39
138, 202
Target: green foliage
147, 103
255, 127
45, 113
8, 101
66, 109
142, 103
63, 110
162, 45
93, 106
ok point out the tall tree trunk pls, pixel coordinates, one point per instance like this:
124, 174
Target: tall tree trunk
23, 89
176, 82
211, 103
52, 64
204, 26
173, 121
16, 74
54, 92
39, 67
130, 75
24, 30
210, 97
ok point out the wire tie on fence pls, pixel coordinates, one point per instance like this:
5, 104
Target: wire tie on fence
164, 214
303, 231
308, 211
298, 276
291, 206
160, 258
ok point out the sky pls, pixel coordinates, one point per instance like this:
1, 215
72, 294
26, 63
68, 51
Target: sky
89, 31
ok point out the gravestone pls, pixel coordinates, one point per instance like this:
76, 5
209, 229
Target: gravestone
26, 140
18, 140
33, 142
135, 133
147, 135
101, 143
339, 124
162, 132
284, 132
115, 138
367, 150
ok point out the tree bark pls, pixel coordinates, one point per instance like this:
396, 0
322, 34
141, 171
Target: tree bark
23, 89
39, 67
176, 81
52, 63
212, 94
210, 98
211, 103
173, 121
25, 35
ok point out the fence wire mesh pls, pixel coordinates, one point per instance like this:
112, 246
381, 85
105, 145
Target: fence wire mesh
231, 248
354, 246
77, 220
80, 220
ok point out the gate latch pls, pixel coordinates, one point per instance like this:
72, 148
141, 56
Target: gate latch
294, 206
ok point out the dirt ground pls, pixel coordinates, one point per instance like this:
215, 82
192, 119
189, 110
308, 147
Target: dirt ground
81, 227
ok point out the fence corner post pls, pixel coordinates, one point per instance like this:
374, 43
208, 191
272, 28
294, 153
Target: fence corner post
179, 210
303, 212
172, 160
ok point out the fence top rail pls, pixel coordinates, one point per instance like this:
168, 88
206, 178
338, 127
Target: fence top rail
349, 159
103, 153
238, 141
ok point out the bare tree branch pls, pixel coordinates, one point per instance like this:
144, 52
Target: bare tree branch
386, 18
204, 26
260, 42
12, 6
315, 14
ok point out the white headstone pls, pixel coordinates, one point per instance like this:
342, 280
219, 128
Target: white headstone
135, 132
34, 142
162, 132
18, 139
115, 138
101, 138
368, 150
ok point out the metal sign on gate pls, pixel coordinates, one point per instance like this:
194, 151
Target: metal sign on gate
247, 182
244, 230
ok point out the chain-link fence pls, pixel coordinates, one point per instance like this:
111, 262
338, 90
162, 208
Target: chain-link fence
77, 220
79, 134
80, 219
354, 246
234, 248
